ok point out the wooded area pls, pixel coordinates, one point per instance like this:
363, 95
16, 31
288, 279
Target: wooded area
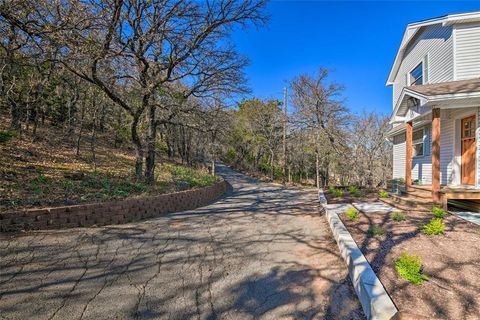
160, 77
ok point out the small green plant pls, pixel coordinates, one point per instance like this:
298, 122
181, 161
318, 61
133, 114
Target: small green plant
38, 183
436, 226
353, 189
383, 194
331, 189
352, 214
398, 216
337, 193
438, 212
6, 136
409, 267
376, 230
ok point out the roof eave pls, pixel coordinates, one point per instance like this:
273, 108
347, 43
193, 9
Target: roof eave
444, 20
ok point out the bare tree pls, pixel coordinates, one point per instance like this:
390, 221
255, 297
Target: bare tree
318, 108
134, 49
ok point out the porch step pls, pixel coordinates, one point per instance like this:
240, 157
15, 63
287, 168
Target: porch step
421, 195
406, 202
421, 191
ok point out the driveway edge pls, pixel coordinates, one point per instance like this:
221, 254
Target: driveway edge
375, 301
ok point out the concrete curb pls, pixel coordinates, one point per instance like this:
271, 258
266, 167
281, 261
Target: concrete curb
375, 301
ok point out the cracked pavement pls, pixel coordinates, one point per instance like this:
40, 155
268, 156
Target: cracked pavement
262, 251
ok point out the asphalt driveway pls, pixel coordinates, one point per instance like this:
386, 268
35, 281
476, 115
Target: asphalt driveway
263, 251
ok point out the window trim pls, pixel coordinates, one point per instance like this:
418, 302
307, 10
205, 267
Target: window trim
410, 82
419, 141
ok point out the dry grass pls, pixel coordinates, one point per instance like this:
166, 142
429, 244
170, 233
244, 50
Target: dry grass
39, 173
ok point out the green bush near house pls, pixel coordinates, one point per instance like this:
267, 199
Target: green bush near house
352, 214
376, 230
438, 212
409, 267
383, 194
337, 193
436, 226
398, 216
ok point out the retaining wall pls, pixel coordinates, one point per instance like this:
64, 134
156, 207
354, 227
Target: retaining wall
113, 212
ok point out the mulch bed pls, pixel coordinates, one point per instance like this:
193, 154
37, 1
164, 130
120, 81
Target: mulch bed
451, 262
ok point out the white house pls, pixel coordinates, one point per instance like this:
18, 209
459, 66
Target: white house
436, 106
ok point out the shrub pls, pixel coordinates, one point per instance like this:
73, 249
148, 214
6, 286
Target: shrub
187, 177
38, 183
436, 226
376, 230
352, 214
383, 194
6, 136
438, 212
331, 189
337, 193
398, 216
409, 267
353, 189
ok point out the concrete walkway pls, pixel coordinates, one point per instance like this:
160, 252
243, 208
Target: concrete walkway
262, 252
473, 217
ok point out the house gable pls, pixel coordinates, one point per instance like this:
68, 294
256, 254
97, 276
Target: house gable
433, 47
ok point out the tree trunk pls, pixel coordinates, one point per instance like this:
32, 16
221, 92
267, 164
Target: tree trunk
14, 115
94, 134
151, 137
317, 169
138, 147
80, 131
272, 168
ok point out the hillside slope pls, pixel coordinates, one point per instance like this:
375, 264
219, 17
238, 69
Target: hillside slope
46, 171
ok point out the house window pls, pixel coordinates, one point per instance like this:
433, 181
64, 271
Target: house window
417, 143
416, 75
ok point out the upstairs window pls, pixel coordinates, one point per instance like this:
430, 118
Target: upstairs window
416, 75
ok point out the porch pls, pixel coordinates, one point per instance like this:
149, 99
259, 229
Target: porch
441, 141
453, 198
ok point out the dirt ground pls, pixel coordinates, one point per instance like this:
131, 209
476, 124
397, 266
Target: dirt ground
451, 262
45, 171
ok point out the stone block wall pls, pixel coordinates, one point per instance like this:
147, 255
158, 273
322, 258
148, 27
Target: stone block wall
113, 212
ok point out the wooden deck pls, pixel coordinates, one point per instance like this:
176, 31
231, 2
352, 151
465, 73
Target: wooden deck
448, 193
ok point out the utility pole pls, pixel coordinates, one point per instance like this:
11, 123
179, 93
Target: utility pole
284, 133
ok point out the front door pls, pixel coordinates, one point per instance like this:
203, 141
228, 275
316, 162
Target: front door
468, 150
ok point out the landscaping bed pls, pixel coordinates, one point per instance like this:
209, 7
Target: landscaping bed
344, 195
450, 262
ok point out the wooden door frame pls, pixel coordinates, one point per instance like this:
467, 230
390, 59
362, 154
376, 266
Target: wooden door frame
474, 138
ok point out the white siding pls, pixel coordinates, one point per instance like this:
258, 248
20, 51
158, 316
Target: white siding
399, 156
467, 51
447, 138
436, 42
422, 166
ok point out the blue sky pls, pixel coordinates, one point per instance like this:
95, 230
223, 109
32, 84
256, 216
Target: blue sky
357, 39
